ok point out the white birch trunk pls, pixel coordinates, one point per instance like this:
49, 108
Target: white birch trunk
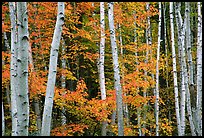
139, 121
117, 84
188, 44
177, 8
22, 70
13, 68
47, 112
190, 67
3, 121
174, 70
157, 73
184, 78
101, 62
199, 72
188, 104
102, 52
146, 61
63, 81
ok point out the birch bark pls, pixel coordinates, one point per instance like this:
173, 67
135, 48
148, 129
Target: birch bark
199, 72
63, 80
157, 73
3, 121
13, 69
184, 78
101, 61
47, 112
22, 70
190, 67
177, 8
145, 71
117, 84
174, 70
188, 44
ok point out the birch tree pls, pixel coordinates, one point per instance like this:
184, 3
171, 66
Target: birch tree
188, 44
146, 61
157, 74
63, 80
3, 121
199, 72
13, 69
22, 70
101, 61
47, 112
190, 67
177, 8
184, 79
174, 69
117, 85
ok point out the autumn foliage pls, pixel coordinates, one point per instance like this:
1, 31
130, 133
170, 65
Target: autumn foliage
80, 101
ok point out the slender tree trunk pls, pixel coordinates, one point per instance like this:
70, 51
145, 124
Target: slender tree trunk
136, 61
199, 72
38, 113
174, 70
125, 106
13, 68
22, 70
167, 66
145, 71
35, 99
3, 121
190, 67
188, 104
3, 62
63, 81
177, 8
149, 43
188, 44
157, 74
139, 121
117, 84
101, 62
182, 25
47, 112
